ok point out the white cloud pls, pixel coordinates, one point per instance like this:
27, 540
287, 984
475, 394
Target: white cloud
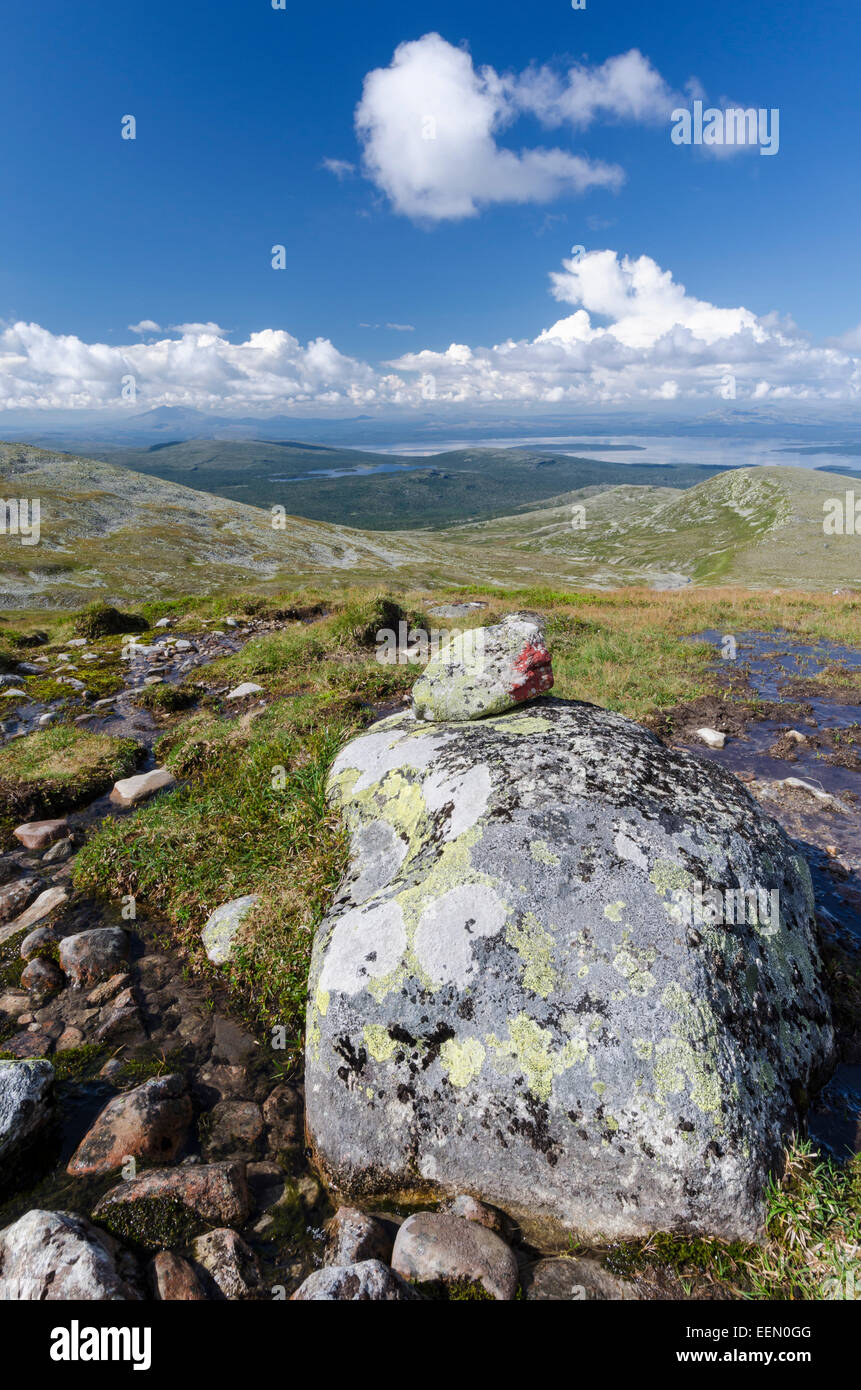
624, 88
428, 125
341, 168
633, 335
145, 326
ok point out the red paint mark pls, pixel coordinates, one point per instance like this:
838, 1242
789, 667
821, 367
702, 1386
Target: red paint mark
534, 662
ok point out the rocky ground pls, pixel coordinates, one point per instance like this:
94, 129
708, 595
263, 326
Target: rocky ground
151, 1145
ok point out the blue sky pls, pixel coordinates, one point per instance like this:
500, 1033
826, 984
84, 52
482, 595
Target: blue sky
237, 106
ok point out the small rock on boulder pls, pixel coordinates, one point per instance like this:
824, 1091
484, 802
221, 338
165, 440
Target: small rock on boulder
485, 670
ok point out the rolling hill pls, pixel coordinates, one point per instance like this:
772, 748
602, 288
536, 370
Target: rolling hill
112, 533
388, 492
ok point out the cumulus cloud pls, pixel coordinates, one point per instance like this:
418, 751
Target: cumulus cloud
428, 127
624, 88
633, 335
145, 326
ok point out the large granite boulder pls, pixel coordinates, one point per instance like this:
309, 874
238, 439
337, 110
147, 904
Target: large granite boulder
569, 971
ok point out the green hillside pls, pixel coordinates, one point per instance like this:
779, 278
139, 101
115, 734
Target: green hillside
437, 490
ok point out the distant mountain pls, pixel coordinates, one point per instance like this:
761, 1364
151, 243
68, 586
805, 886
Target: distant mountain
109, 532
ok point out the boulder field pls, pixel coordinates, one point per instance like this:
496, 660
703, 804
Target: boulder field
569, 971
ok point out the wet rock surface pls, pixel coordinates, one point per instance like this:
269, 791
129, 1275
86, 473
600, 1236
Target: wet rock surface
26, 1107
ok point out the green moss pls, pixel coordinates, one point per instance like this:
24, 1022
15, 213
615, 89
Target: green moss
453, 1291
101, 620
152, 1223
167, 698
79, 1063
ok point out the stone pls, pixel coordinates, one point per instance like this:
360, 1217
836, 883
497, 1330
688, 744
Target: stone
15, 896
150, 1123
282, 1113
353, 1236
369, 1281
42, 979
57, 1256
231, 1043
200, 1194
174, 1279
713, 737
59, 852
42, 941
129, 791
69, 1038
485, 671
438, 1248
121, 1022
234, 1126
97, 954
796, 736
824, 798
39, 834
108, 989
246, 688
219, 934
43, 906
572, 1279
14, 1002
536, 1007
225, 1264
471, 1210
27, 1044
26, 1107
